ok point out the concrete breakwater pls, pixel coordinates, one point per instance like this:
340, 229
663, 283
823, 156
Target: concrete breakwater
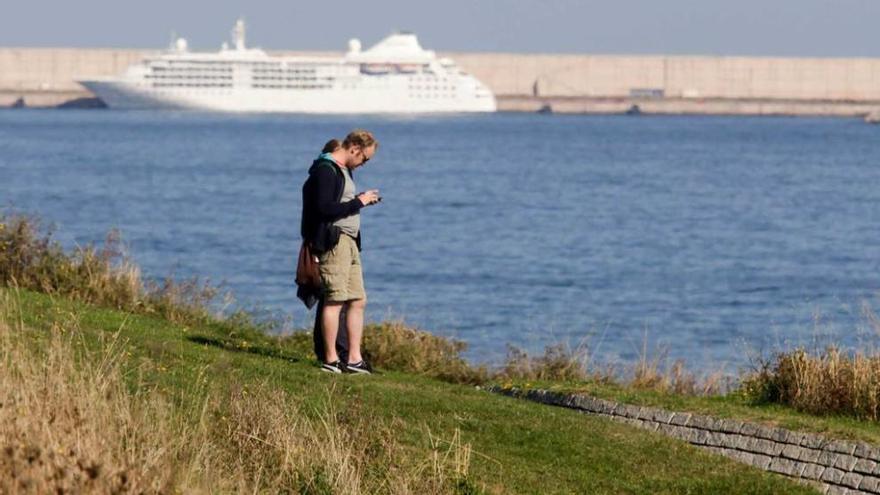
832, 466
556, 83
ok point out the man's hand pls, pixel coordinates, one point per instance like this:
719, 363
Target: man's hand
370, 197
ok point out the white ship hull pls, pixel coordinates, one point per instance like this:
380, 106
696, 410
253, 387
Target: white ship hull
395, 76
121, 94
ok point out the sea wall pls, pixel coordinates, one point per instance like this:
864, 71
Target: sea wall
561, 83
832, 466
694, 77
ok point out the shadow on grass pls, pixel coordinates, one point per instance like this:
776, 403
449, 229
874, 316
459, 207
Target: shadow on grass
235, 346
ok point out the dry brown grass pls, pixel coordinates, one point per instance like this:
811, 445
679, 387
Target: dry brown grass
393, 345
72, 422
558, 363
827, 382
652, 372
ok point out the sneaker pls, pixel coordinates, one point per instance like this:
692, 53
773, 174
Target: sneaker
359, 367
334, 367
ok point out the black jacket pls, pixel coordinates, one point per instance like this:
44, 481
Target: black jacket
322, 193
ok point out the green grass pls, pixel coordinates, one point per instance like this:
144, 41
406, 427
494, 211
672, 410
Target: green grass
732, 405
518, 446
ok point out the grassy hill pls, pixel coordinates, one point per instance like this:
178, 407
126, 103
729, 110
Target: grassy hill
109, 400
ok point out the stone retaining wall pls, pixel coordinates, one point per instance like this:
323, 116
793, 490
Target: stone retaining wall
832, 466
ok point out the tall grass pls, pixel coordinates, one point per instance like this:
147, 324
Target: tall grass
31, 259
826, 382
71, 422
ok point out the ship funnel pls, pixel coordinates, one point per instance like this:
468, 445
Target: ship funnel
354, 45
238, 34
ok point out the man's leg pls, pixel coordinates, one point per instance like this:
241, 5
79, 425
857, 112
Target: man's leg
330, 322
355, 329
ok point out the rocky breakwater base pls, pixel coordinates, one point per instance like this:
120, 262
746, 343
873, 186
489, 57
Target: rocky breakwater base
832, 466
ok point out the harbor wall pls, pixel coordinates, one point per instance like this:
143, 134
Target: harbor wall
561, 83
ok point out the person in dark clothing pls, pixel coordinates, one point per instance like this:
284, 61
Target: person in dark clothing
331, 227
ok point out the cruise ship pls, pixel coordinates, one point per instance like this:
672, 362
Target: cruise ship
396, 75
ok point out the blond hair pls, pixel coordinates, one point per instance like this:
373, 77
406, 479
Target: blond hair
360, 137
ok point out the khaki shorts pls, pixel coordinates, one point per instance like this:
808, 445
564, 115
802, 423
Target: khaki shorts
341, 271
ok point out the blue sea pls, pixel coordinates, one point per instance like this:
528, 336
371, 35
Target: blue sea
708, 239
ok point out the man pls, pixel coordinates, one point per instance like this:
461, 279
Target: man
331, 226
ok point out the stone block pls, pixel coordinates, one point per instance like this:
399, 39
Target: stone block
845, 462
832, 475
870, 484
744, 457
584, 403
701, 422
813, 471
791, 452
851, 480
680, 432
606, 406
667, 430
662, 416
731, 426
698, 437
644, 413
865, 466
827, 458
794, 437
810, 455
767, 447
741, 442
867, 451
785, 466
715, 439
727, 441
761, 461
764, 432
680, 419
630, 411
813, 441
751, 444
841, 447
779, 435
838, 490
749, 429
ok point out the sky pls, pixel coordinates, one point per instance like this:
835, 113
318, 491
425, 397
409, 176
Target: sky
820, 28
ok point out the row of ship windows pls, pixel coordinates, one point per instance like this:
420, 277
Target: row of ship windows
284, 71
182, 76
432, 88
215, 63
294, 78
291, 86
190, 85
199, 70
